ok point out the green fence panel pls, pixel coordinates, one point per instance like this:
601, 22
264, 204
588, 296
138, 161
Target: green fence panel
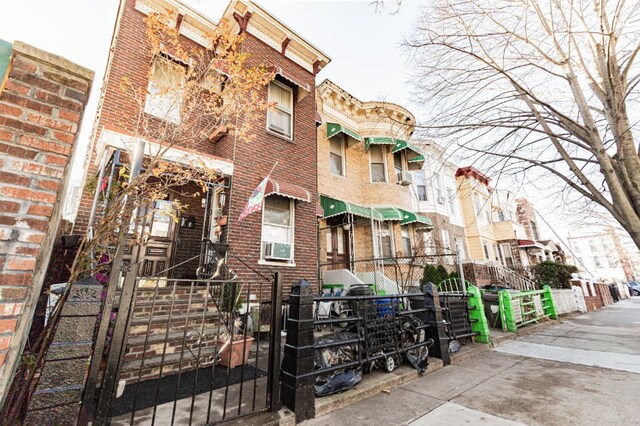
479, 323
506, 311
547, 303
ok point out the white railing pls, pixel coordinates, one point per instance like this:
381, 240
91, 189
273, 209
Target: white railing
510, 278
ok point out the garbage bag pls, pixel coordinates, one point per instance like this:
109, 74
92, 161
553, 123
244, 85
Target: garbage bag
412, 335
339, 380
454, 346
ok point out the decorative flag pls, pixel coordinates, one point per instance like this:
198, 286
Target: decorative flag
254, 203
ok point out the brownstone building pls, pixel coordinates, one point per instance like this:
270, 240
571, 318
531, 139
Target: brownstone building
282, 236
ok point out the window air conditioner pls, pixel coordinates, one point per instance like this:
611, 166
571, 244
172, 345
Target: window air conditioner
405, 178
277, 251
440, 199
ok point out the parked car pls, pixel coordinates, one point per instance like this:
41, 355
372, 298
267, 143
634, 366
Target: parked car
634, 288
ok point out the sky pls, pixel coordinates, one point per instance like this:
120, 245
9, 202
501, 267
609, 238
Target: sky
368, 60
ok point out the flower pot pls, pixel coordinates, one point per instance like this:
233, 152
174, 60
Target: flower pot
222, 220
231, 353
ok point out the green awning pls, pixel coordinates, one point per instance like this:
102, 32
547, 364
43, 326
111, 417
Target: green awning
333, 207
390, 213
375, 140
334, 128
400, 145
410, 217
416, 159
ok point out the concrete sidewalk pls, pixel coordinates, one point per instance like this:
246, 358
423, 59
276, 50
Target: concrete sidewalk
581, 371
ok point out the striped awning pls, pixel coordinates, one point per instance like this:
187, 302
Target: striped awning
400, 145
390, 213
286, 189
410, 217
333, 207
378, 140
335, 128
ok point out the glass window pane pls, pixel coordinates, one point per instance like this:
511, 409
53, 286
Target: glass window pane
277, 211
279, 121
329, 241
376, 154
377, 173
335, 145
336, 164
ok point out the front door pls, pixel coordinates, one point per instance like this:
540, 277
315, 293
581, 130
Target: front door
156, 245
338, 247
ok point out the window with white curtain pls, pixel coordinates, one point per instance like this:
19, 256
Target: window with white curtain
164, 98
280, 114
277, 222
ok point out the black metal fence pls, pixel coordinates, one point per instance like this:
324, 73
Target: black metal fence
190, 352
383, 330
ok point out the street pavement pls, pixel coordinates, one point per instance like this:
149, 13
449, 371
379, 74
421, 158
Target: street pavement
581, 371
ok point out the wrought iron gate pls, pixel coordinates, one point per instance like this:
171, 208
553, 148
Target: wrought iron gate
186, 352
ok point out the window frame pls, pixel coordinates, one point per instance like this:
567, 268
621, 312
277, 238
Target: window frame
292, 211
440, 199
401, 155
417, 185
343, 159
383, 150
152, 108
379, 237
408, 239
453, 209
278, 107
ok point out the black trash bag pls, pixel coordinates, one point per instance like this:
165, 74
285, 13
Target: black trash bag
339, 380
412, 335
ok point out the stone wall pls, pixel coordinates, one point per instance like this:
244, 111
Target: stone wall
41, 107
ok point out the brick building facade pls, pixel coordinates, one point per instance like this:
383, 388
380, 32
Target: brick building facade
271, 44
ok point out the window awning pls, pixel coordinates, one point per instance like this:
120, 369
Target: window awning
410, 217
333, 207
390, 213
334, 128
303, 88
416, 159
318, 118
400, 145
319, 210
529, 244
378, 140
286, 189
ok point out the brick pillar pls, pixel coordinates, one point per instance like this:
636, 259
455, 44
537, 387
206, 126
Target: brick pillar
41, 106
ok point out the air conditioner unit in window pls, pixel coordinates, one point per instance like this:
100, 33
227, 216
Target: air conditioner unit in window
440, 199
277, 251
405, 178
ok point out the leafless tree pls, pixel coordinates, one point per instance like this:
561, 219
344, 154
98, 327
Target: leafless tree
547, 85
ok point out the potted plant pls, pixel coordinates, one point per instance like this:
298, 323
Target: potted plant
234, 345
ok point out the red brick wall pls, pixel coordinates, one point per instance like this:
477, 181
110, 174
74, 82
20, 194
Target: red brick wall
297, 163
296, 159
40, 112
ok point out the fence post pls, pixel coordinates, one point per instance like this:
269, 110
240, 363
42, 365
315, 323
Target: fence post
273, 387
547, 303
296, 392
506, 311
479, 323
440, 349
